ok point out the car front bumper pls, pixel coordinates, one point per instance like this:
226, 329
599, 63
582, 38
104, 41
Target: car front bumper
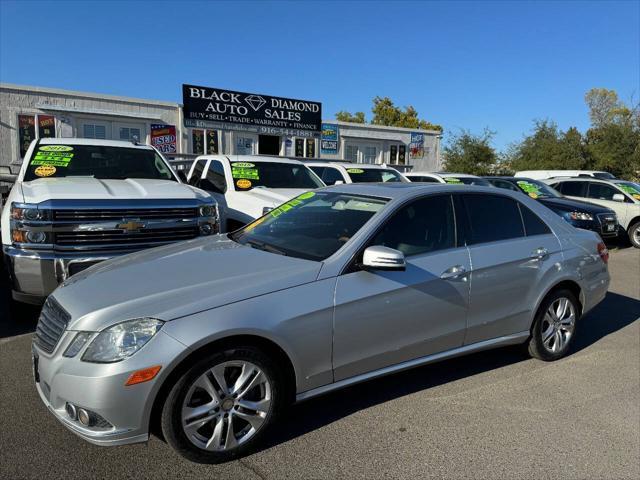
34, 275
100, 389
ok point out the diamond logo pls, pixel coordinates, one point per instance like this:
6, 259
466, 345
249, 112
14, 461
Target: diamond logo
255, 101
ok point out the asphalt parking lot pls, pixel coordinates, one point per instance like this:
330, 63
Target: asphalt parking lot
495, 414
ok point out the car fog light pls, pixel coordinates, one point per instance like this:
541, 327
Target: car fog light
71, 411
206, 229
84, 417
36, 237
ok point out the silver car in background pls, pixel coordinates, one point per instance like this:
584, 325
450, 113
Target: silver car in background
210, 339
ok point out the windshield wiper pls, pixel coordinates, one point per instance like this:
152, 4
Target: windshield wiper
266, 247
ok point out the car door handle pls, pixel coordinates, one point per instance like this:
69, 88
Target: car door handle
540, 253
453, 272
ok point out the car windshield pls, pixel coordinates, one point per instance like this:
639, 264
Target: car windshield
467, 181
630, 188
536, 189
374, 175
312, 226
248, 175
97, 161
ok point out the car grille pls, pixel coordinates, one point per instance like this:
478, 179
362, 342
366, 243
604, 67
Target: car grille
119, 238
607, 219
81, 215
51, 325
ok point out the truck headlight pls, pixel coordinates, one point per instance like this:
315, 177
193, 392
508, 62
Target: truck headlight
207, 211
121, 340
580, 216
29, 213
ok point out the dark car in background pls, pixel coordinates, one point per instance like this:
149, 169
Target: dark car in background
579, 214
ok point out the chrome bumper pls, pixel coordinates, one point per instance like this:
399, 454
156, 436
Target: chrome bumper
34, 275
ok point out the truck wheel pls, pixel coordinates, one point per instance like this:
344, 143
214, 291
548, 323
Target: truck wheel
554, 327
223, 406
634, 234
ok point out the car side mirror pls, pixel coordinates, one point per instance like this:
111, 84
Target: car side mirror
618, 197
378, 257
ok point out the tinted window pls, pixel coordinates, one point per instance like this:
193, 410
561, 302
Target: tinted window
573, 189
416, 178
331, 175
468, 181
214, 181
313, 225
366, 175
533, 225
423, 226
196, 175
492, 218
247, 175
601, 191
603, 175
504, 184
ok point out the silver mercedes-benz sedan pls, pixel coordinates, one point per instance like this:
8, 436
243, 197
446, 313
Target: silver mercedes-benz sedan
209, 339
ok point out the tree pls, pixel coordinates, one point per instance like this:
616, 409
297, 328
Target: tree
386, 113
548, 148
357, 117
605, 107
469, 153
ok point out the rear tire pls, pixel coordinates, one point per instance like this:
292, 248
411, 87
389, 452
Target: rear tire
223, 406
554, 327
634, 234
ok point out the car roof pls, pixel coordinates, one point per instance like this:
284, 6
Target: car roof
92, 141
251, 158
443, 174
393, 190
579, 179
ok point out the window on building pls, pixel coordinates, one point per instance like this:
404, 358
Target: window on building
213, 145
351, 153
492, 218
197, 142
32, 127
369, 154
128, 134
310, 148
90, 130
299, 147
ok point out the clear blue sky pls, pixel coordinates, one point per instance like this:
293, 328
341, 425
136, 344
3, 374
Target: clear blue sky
461, 64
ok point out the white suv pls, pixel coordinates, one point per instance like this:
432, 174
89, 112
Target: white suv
248, 186
445, 177
344, 172
621, 196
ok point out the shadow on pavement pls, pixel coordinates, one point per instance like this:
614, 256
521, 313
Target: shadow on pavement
614, 313
15, 318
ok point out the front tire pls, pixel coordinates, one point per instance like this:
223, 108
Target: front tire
634, 234
223, 406
554, 327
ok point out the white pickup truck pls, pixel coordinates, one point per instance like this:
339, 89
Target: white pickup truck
248, 186
77, 202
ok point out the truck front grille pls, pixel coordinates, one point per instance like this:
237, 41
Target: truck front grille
51, 325
96, 215
119, 238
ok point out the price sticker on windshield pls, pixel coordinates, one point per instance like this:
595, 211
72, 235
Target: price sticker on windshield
45, 170
53, 155
355, 170
453, 180
529, 188
631, 190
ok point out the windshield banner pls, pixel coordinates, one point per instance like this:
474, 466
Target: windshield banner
206, 107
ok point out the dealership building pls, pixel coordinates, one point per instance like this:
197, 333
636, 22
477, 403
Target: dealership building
209, 120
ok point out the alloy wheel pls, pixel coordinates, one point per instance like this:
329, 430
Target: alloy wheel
558, 325
226, 405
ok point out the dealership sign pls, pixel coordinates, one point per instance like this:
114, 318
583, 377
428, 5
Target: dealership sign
215, 108
329, 139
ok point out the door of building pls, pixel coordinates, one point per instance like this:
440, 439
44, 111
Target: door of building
268, 145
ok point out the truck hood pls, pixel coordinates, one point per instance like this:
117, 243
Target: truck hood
88, 188
569, 204
177, 280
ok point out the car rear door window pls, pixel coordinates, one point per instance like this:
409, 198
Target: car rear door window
423, 226
533, 225
601, 191
416, 178
331, 175
504, 184
573, 189
491, 218
214, 180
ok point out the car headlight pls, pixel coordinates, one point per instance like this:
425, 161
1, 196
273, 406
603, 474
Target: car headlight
580, 216
29, 213
207, 211
121, 340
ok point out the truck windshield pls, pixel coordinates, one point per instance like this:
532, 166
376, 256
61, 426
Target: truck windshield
312, 226
369, 175
98, 161
248, 175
